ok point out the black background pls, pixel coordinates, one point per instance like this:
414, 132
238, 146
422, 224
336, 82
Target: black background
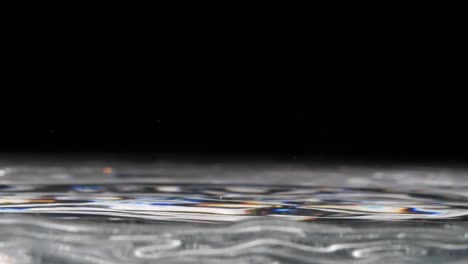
126, 79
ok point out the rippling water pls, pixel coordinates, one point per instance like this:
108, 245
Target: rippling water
229, 202
173, 213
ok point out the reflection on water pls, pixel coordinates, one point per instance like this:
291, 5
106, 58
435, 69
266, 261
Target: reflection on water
230, 202
111, 215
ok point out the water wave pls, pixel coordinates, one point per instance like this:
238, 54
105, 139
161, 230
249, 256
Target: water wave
43, 240
218, 214
231, 202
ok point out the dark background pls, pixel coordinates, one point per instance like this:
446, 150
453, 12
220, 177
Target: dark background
125, 79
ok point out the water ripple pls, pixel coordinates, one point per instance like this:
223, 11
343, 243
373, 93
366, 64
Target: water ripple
232, 202
278, 240
278, 215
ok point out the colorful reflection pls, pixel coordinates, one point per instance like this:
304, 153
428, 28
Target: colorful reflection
223, 203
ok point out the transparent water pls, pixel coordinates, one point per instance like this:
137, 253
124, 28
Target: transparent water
210, 213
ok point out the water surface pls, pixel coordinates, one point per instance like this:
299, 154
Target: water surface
189, 213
